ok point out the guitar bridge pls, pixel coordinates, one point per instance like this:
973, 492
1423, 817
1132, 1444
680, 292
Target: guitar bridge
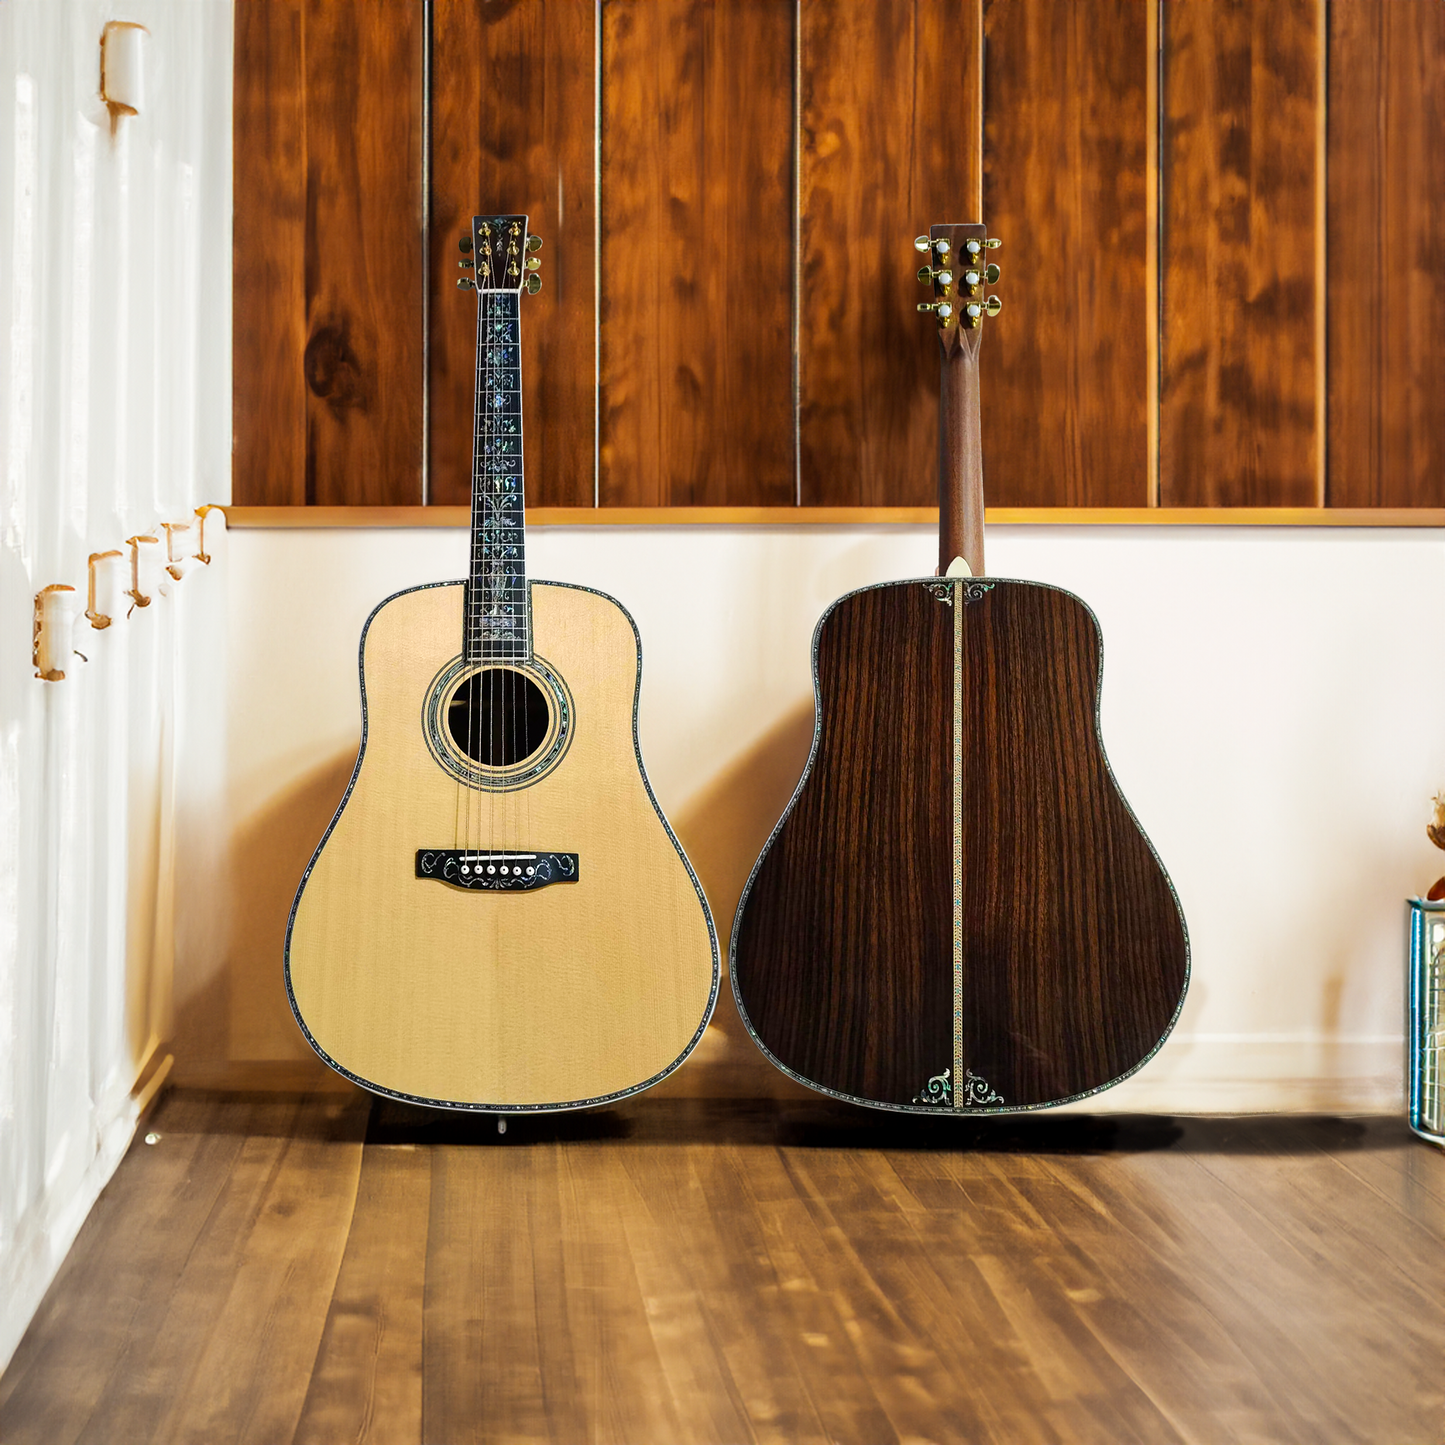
495, 870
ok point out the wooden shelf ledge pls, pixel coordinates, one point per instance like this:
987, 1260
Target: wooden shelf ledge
318, 517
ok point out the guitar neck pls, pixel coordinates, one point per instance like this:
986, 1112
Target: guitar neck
957, 272
498, 608
960, 453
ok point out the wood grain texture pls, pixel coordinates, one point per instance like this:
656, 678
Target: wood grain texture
1074, 956
673, 1270
1238, 423
213, 1311
889, 125
696, 365
570, 993
1386, 244
366, 1379
268, 256
327, 253
1065, 140
843, 948
512, 131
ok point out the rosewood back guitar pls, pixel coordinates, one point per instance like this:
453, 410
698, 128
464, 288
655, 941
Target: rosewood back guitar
499, 917
958, 912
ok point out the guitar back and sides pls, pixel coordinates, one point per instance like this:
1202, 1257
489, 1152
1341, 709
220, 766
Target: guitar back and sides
958, 912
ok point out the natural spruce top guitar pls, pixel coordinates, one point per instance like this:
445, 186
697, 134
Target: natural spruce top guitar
958, 912
499, 917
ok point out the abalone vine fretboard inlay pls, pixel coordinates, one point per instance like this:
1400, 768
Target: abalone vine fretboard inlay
498, 621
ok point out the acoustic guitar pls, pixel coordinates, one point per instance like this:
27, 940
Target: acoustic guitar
958, 911
499, 917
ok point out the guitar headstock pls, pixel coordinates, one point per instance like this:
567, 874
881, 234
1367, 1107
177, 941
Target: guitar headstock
957, 272
499, 252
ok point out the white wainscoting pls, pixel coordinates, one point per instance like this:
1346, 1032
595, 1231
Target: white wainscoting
114, 417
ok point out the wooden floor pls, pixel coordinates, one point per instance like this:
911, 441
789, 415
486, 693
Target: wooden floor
318, 1269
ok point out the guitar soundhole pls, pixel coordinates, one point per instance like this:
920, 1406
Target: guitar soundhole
498, 717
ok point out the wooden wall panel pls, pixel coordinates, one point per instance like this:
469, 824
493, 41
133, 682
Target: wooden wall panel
1065, 365
327, 253
889, 111
512, 131
1238, 423
268, 281
1386, 253
696, 359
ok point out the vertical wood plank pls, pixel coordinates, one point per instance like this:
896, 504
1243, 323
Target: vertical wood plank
249, 1350
512, 131
328, 253
1386, 232
889, 105
1065, 367
268, 389
696, 367
1238, 423
366, 1379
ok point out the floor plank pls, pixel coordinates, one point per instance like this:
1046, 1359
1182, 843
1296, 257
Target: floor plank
325, 1269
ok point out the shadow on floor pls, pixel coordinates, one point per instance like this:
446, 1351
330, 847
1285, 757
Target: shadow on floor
826, 1125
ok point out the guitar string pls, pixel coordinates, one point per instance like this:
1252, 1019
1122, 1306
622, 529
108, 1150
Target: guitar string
486, 674
512, 479
464, 690
509, 334
524, 589
482, 686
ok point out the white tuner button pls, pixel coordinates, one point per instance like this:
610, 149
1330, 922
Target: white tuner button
465, 869
491, 867
530, 871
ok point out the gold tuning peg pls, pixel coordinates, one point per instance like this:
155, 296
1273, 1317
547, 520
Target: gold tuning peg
943, 308
925, 274
465, 244
993, 305
533, 284
993, 243
922, 243
464, 285
992, 273
534, 243
533, 263
466, 263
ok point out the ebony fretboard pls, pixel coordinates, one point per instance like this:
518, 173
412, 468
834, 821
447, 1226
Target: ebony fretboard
498, 618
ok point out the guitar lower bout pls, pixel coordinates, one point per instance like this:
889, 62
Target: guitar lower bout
499, 916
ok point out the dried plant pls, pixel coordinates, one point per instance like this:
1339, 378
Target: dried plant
1435, 828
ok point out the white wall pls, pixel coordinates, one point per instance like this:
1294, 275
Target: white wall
1270, 708
114, 417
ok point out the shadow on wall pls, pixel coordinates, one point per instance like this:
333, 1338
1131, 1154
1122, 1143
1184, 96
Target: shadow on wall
723, 828
238, 1031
